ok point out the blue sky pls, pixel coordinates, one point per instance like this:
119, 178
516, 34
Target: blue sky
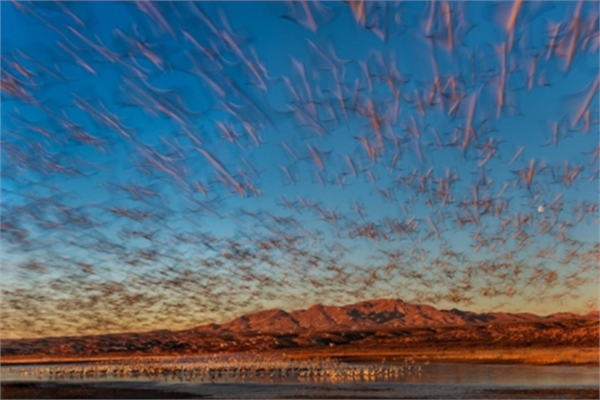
277, 42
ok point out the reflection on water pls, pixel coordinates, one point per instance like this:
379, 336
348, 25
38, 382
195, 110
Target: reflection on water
317, 371
511, 375
222, 369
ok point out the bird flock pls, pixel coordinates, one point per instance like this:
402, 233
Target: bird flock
169, 164
224, 369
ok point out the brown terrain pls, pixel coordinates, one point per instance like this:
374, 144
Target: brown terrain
378, 328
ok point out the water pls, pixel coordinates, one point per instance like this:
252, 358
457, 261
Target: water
445, 380
436, 373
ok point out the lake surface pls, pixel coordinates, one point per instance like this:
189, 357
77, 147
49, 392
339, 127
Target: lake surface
437, 380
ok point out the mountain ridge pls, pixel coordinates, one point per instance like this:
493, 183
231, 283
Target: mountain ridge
361, 328
377, 314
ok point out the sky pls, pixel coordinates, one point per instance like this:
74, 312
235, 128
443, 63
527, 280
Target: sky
152, 153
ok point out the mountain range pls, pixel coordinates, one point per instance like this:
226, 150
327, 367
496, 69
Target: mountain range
392, 325
381, 314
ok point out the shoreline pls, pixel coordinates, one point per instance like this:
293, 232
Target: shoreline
530, 356
516, 355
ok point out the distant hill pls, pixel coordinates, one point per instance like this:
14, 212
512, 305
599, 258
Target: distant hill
376, 325
382, 314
